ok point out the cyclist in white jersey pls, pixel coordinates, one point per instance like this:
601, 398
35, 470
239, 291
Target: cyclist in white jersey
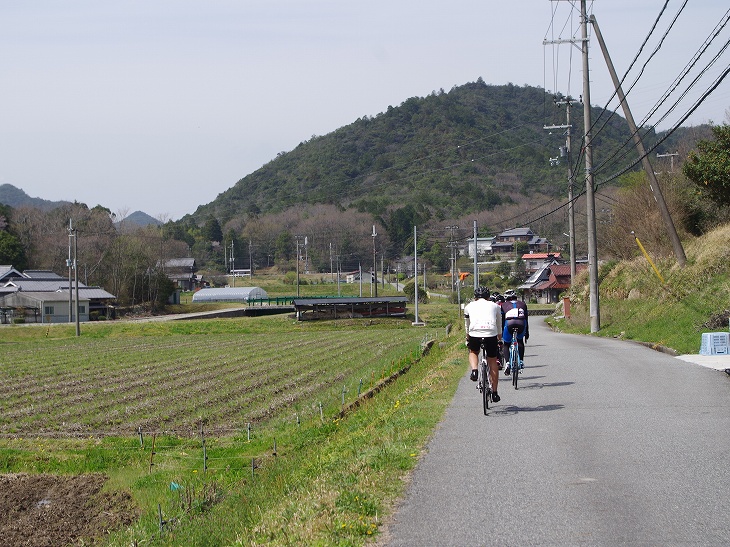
483, 322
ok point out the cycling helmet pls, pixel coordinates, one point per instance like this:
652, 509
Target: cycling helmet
481, 292
509, 294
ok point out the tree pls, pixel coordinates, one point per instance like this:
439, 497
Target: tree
284, 246
11, 251
212, 230
709, 168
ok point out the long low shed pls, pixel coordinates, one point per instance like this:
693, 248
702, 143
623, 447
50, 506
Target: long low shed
342, 308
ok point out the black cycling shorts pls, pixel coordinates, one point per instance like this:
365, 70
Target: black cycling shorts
490, 343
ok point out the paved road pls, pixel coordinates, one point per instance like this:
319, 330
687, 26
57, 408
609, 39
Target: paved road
605, 443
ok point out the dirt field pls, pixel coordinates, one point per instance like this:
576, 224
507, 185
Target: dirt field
54, 511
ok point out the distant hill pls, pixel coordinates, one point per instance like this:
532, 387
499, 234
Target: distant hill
138, 218
448, 154
15, 197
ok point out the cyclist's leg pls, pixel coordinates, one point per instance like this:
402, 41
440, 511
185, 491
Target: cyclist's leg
506, 342
473, 345
493, 361
514, 358
521, 345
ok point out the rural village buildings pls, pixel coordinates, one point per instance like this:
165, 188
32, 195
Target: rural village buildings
42, 296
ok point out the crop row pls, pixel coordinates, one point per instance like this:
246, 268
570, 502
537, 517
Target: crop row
114, 386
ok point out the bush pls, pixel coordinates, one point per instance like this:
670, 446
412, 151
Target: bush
409, 289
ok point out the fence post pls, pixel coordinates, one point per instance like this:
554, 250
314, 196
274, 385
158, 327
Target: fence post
152, 452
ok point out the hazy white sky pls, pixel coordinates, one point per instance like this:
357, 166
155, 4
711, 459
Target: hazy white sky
160, 105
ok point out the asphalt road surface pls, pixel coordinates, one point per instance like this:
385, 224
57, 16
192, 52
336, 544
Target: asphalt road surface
605, 442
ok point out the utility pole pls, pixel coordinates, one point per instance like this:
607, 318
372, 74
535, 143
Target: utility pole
595, 312
250, 260
76, 281
373, 280
332, 273
671, 156
568, 102
476, 264
415, 275
453, 257
646, 164
69, 263
233, 266
297, 239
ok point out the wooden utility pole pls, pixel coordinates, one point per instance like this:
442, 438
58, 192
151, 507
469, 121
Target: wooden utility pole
646, 164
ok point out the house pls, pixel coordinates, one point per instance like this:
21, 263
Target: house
404, 265
42, 296
367, 277
181, 271
535, 261
43, 307
483, 246
7, 273
547, 284
504, 243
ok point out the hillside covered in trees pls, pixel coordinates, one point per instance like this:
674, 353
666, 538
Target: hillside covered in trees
445, 155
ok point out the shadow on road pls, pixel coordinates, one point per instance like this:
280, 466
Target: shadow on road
514, 409
538, 385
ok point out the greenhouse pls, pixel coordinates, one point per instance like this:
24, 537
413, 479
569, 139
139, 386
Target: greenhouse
230, 294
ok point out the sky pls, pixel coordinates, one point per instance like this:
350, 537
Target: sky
161, 105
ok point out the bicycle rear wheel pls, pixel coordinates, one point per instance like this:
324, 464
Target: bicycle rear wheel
515, 362
484, 381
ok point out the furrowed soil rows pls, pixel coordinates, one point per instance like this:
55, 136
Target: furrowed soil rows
113, 386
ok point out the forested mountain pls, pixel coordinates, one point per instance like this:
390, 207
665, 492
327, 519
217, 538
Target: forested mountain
446, 154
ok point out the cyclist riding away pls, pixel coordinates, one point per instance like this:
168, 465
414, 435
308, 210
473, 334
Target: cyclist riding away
514, 315
483, 322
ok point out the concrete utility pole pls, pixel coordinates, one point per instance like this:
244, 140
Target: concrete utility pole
76, 281
476, 264
250, 259
671, 156
297, 238
595, 312
415, 276
568, 102
452, 247
69, 263
373, 280
233, 266
646, 164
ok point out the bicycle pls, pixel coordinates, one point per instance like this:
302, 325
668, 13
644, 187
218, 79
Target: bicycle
514, 357
484, 384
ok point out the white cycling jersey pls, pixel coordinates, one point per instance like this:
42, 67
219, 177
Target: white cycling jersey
483, 318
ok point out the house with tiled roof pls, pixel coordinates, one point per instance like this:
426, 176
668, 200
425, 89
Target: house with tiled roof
42, 296
535, 261
504, 243
549, 282
181, 271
